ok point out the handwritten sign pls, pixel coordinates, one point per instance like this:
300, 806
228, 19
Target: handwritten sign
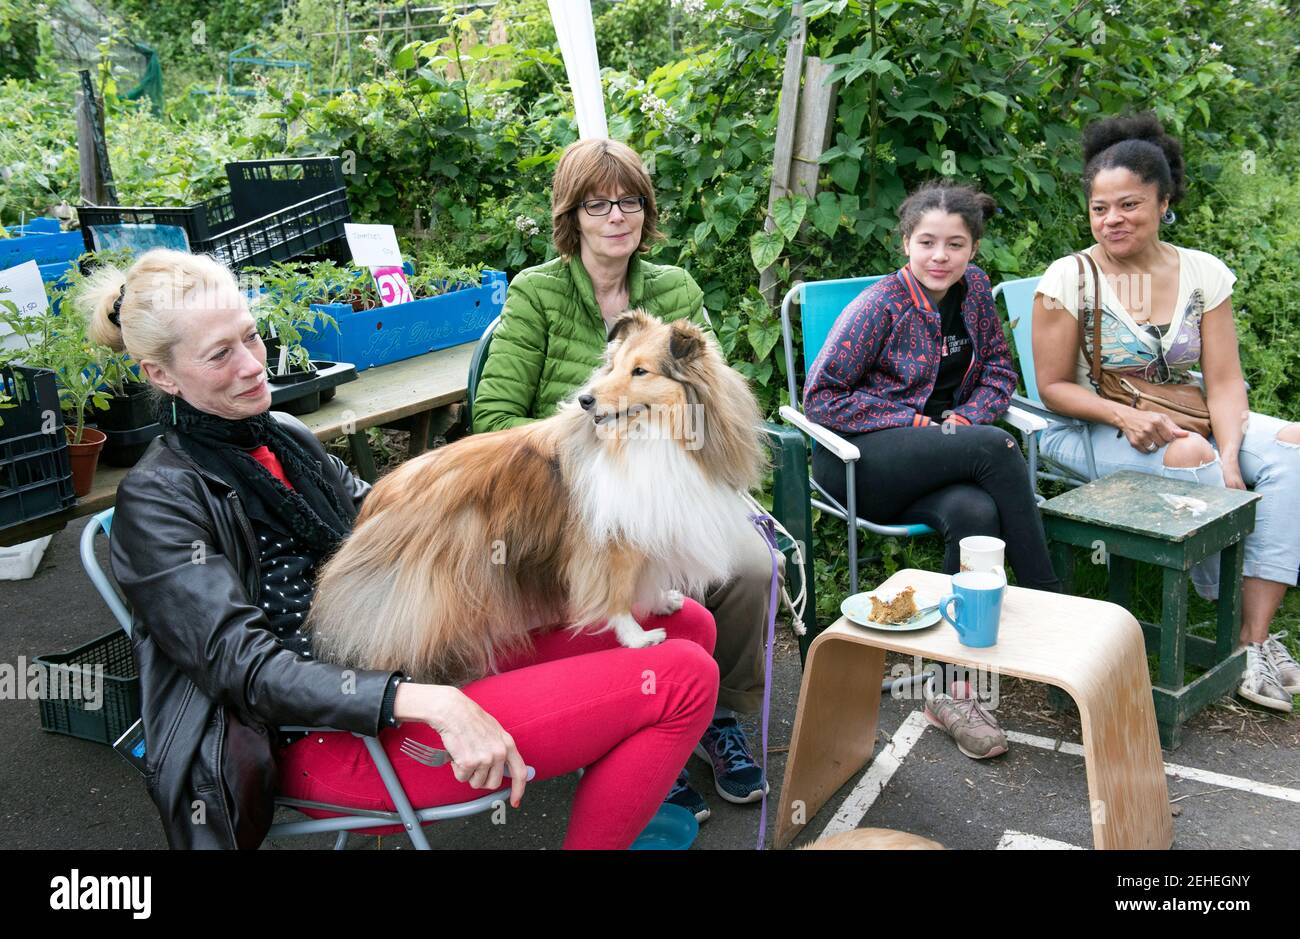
373, 245
26, 290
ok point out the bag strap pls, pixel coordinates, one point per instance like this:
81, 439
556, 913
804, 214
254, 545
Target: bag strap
1094, 354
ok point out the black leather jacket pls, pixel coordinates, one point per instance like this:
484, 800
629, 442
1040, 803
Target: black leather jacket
214, 681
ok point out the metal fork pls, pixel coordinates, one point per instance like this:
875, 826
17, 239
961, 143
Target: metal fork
423, 753
432, 756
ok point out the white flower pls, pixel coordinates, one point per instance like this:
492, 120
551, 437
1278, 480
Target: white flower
695, 138
1231, 68
1215, 48
656, 107
1112, 9
691, 7
526, 225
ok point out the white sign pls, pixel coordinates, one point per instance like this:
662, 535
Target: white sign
26, 289
373, 245
27, 292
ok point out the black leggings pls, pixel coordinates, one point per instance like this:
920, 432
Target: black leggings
961, 481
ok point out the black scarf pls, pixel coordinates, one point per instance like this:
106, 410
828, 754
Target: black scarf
311, 511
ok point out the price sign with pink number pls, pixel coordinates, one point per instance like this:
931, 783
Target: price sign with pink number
393, 288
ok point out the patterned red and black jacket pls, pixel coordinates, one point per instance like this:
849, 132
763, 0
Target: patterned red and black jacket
880, 361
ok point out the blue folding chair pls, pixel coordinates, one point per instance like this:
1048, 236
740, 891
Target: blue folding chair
820, 305
349, 818
1019, 298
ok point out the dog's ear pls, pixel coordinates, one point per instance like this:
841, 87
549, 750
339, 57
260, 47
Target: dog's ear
629, 322
686, 342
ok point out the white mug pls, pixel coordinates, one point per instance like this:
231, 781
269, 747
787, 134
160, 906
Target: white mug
983, 553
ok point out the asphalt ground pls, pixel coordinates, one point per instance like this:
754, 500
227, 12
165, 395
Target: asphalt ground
60, 792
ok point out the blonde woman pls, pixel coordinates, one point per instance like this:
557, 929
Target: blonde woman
217, 536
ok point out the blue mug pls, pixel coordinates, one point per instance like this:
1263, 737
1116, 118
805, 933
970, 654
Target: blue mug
978, 598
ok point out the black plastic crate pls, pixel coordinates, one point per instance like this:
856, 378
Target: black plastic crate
261, 186
35, 474
201, 221
287, 233
119, 695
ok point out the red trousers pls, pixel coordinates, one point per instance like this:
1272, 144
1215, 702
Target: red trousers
631, 717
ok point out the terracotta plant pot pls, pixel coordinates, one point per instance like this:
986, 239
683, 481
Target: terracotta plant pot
84, 457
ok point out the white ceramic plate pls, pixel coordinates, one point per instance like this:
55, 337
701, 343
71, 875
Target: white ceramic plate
858, 610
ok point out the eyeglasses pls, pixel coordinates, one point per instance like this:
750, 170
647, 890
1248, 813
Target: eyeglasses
600, 207
1161, 364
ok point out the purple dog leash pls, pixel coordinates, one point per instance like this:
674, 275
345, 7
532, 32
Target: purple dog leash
766, 526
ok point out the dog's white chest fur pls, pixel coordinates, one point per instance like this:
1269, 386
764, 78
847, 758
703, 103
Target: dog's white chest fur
654, 496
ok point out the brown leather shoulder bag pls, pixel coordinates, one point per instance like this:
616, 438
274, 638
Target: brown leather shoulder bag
1184, 404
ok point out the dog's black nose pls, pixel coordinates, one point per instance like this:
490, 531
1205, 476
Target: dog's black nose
586, 401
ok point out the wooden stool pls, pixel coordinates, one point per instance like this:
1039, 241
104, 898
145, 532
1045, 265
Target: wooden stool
1103, 667
1129, 517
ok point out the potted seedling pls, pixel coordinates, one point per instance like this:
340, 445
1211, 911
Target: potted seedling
284, 313
58, 342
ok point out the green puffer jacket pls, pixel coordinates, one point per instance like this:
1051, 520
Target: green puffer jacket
552, 336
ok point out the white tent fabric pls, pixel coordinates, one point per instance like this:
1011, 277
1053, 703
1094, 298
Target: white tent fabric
577, 36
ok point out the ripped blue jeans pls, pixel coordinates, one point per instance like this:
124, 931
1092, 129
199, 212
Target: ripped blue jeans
1269, 467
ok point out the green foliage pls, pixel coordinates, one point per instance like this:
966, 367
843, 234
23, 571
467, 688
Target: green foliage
1253, 226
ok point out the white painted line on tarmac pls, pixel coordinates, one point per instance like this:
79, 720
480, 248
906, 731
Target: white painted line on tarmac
877, 776
1172, 769
1019, 841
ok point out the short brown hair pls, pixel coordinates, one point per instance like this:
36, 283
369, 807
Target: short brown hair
589, 165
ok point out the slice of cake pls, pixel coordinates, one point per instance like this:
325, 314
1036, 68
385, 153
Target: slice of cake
898, 610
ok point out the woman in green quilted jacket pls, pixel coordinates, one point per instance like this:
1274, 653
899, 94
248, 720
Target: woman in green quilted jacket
550, 339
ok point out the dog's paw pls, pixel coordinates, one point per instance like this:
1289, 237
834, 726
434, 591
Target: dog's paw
670, 601
648, 637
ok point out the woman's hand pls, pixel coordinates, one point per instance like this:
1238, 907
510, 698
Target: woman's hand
1148, 431
480, 748
1231, 472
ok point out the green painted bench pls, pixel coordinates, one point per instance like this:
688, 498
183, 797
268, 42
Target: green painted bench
1129, 518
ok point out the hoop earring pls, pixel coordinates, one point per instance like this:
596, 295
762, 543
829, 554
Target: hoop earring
1169, 217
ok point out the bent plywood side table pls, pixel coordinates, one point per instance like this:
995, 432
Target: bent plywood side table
1090, 649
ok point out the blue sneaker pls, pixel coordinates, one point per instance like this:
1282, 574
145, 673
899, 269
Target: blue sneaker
735, 774
683, 796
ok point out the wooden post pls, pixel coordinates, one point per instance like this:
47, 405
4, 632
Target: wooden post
91, 192
813, 132
785, 134
803, 132
92, 148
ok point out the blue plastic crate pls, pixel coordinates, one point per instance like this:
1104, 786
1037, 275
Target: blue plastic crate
62, 247
389, 334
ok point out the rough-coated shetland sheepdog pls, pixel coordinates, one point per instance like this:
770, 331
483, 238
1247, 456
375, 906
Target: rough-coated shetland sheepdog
629, 495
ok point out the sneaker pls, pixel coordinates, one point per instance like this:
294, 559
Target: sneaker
683, 796
1259, 683
1288, 670
964, 719
735, 774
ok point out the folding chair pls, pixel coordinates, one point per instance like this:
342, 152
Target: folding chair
349, 818
821, 303
1019, 298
